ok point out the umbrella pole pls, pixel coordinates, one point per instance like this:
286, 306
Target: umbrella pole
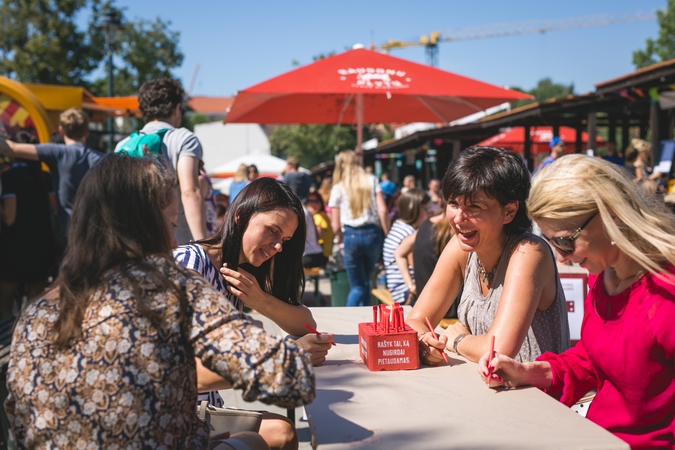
359, 127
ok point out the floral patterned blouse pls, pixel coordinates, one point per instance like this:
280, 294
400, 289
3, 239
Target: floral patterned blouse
127, 384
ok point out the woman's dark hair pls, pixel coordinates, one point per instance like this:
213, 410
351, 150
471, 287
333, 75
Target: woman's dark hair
410, 204
317, 197
117, 222
282, 275
500, 173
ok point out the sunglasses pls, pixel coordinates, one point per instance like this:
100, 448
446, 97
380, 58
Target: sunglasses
566, 244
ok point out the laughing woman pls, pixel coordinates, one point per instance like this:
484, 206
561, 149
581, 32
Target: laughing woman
245, 261
511, 286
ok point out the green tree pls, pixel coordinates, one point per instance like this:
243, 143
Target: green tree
40, 42
664, 45
191, 119
148, 49
314, 144
546, 89
311, 144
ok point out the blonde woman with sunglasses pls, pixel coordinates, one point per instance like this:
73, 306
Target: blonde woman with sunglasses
594, 215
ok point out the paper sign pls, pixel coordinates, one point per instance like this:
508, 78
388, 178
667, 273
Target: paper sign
575, 288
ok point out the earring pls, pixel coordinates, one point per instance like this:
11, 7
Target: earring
613, 243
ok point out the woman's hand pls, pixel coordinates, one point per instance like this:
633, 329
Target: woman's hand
502, 370
431, 350
316, 346
244, 285
455, 330
412, 289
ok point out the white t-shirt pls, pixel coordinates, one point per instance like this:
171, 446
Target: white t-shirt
177, 143
339, 199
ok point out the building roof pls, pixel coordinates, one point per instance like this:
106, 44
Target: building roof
565, 111
210, 105
655, 75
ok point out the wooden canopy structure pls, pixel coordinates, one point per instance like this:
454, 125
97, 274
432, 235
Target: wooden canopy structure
631, 102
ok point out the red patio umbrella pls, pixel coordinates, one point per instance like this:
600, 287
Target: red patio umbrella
363, 86
514, 139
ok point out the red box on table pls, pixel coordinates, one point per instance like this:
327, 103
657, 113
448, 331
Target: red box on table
388, 344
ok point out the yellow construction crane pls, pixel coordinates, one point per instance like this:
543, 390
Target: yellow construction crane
431, 41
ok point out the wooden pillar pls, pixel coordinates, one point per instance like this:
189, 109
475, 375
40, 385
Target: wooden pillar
556, 129
456, 148
625, 134
611, 129
654, 129
578, 137
527, 149
592, 131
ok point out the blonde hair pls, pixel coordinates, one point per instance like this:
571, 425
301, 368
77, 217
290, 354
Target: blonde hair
355, 182
74, 122
639, 223
242, 173
640, 145
324, 189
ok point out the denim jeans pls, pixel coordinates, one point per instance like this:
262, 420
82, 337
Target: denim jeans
362, 250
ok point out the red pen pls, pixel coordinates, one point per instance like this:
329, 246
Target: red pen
433, 335
309, 327
492, 354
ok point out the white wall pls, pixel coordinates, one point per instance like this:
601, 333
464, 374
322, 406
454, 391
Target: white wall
222, 143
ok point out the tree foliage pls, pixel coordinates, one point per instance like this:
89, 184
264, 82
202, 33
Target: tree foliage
314, 144
546, 89
663, 47
311, 144
148, 49
40, 42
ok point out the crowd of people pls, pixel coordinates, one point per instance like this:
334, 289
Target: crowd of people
155, 273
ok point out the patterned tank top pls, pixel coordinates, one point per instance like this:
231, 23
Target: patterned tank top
549, 331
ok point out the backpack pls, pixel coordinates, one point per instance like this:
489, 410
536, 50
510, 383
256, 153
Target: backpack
141, 144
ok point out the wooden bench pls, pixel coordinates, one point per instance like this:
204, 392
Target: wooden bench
384, 296
313, 274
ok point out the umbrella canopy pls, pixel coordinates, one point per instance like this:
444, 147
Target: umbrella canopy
514, 139
268, 165
363, 86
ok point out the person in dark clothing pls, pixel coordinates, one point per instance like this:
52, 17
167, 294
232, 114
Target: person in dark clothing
68, 163
299, 182
28, 253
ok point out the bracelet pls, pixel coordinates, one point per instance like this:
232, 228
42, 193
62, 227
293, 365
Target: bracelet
457, 339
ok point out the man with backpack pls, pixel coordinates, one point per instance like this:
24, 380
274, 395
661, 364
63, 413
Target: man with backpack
68, 162
160, 102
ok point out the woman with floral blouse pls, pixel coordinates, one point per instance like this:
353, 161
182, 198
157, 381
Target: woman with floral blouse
107, 359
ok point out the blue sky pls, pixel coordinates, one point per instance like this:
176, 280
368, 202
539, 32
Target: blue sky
241, 43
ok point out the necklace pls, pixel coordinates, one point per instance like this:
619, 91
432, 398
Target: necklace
486, 276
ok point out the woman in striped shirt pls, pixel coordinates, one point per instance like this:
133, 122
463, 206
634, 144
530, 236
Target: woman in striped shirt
413, 208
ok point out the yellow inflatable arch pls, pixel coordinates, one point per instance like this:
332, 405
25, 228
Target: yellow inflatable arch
21, 109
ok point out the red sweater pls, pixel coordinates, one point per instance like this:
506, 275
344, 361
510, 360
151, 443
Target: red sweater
627, 352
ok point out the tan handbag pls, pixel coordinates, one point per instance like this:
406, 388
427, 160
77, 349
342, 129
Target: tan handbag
232, 420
